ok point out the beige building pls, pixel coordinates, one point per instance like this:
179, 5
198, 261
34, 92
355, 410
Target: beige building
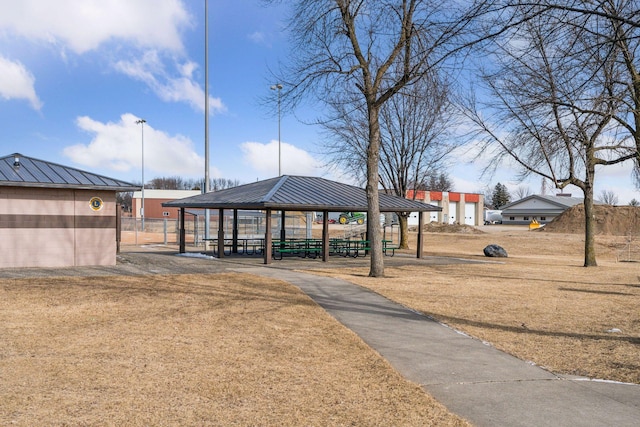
56, 216
457, 208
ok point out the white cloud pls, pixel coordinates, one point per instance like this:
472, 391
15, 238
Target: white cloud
16, 82
117, 146
264, 159
151, 70
149, 29
260, 38
84, 26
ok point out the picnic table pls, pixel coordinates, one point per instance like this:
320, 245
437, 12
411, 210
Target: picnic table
312, 248
245, 246
304, 248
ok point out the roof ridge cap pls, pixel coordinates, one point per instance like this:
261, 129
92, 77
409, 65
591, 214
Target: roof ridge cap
275, 188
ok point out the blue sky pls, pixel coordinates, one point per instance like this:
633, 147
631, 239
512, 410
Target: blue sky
75, 77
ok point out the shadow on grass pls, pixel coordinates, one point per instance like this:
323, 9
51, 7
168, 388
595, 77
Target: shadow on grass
593, 291
544, 280
523, 330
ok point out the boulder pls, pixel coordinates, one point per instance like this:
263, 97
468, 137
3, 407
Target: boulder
495, 251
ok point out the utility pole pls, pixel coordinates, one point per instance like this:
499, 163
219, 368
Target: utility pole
142, 122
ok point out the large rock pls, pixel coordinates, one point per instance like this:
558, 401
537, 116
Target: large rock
495, 251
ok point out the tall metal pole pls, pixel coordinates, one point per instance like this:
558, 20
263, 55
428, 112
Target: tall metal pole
142, 122
278, 87
207, 218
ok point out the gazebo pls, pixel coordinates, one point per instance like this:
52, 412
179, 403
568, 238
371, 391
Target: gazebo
293, 193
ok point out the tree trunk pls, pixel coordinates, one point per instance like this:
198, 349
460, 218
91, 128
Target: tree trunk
403, 220
589, 223
373, 197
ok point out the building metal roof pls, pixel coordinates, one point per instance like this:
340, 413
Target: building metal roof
17, 170
298, 193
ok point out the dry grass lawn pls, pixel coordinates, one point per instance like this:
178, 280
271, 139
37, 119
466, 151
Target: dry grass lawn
198, 350
539, 304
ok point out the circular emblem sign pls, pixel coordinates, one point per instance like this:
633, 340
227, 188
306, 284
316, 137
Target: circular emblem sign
96, 203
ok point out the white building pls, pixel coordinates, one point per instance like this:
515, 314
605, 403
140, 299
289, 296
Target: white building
541, 208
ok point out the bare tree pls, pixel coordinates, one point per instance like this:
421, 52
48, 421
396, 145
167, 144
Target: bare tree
218, 184
521, 192
414, 141
166, 183
559, 99
435, 181
179, 183
608, 197
369, 51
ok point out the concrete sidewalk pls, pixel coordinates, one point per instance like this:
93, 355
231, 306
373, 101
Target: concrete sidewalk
474, 380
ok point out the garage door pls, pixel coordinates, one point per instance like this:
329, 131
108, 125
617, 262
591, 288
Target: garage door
470, 214
433, 216
453, 212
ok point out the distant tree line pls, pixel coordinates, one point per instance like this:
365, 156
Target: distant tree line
433, 181
179, 183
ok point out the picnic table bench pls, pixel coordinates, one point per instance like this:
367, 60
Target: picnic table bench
356, 248
310, 248
245, 246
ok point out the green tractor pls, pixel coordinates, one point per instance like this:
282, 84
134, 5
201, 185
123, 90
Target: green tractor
348, 217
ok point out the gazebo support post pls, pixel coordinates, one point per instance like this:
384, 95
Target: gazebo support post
420, 244
118, 227
267, 237
182, 232
283, 231
234, 247
325, 236
220, 233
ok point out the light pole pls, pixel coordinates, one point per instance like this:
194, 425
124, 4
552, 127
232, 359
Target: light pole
278, 87
142, 122
207, 215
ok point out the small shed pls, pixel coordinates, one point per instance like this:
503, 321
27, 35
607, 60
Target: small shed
56, 216
541, 208
295, 193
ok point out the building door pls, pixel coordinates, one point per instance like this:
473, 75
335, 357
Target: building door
433, 216
470, 213
453, 212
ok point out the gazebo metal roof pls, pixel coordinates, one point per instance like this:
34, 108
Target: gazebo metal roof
298, 193
17, 170
293, 193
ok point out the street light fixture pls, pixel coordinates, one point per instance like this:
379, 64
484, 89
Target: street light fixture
142, 122
278, 87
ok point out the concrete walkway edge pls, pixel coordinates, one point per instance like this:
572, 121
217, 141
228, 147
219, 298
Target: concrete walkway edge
472, 379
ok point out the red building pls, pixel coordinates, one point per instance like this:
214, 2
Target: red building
153, 200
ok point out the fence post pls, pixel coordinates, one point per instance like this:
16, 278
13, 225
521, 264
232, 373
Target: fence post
165, 231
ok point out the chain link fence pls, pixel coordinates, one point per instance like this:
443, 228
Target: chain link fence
250, 225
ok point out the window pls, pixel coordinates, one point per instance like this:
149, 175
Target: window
543, 218
526, 218
512, 218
